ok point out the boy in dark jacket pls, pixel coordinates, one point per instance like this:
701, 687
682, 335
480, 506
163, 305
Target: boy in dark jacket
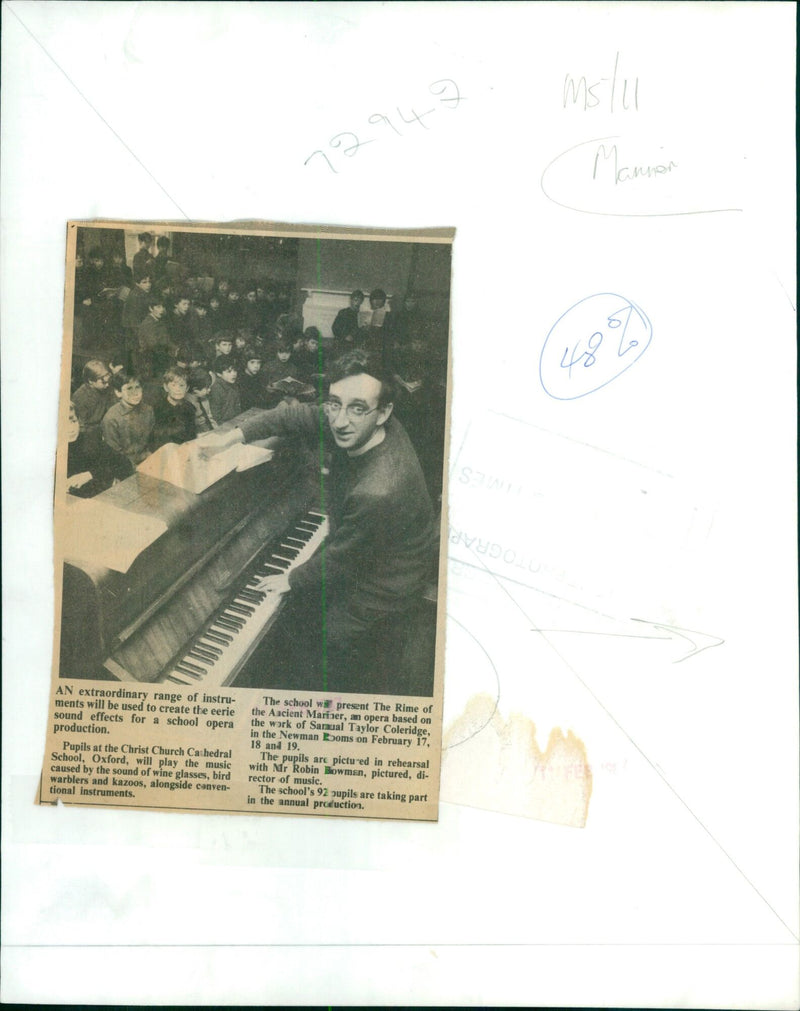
174, 415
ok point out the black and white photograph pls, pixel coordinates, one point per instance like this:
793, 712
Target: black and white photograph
253, 456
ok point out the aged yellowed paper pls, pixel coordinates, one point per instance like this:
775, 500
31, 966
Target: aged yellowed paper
249, 495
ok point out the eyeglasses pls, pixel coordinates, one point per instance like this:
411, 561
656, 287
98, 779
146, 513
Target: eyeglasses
355, 412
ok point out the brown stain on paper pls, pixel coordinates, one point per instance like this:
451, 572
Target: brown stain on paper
491, 763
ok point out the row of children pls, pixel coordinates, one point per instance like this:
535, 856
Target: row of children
114, 426
112, 301
253, 299
117, 410
282, 368
306, 358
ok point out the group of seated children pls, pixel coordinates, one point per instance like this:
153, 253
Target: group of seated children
112, 427
187, 359
118, 417
145, 311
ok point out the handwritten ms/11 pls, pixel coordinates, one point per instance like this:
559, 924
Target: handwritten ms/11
446, 95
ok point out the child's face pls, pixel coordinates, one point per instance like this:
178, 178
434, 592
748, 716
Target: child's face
253, 366
101, 382
131, 393
229, 375
224, 347
182, 305
145, 284
377, 303
214, 303
312, 344
250, 296
176, 388
233, 296
158, 310
240, 342
284, 355
355, 301
223, 286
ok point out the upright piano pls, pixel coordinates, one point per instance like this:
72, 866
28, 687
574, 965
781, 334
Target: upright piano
188, 610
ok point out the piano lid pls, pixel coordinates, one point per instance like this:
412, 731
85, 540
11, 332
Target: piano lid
194, 526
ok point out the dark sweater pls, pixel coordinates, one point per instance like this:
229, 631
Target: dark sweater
346, 324
380, 547
142, 262
274, 370
135, 308
152, 333
98, 459
173, 422
127, 430
224, 400
91, 405
252, 390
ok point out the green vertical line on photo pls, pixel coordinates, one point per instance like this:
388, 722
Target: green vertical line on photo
323, 602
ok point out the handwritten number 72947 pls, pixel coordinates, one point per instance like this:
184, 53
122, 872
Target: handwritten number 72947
446, 93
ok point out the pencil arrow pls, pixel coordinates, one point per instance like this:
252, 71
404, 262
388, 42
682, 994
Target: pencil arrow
699, 641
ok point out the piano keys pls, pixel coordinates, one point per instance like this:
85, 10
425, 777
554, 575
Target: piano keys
188, 592
229, 639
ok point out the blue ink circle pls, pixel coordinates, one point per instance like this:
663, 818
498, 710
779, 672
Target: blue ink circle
591, 344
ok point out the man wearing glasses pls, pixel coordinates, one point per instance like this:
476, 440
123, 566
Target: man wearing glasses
347, 603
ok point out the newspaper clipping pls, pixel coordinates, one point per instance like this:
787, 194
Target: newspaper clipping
249, 496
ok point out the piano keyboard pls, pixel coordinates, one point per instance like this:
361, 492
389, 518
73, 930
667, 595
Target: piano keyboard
230, 636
